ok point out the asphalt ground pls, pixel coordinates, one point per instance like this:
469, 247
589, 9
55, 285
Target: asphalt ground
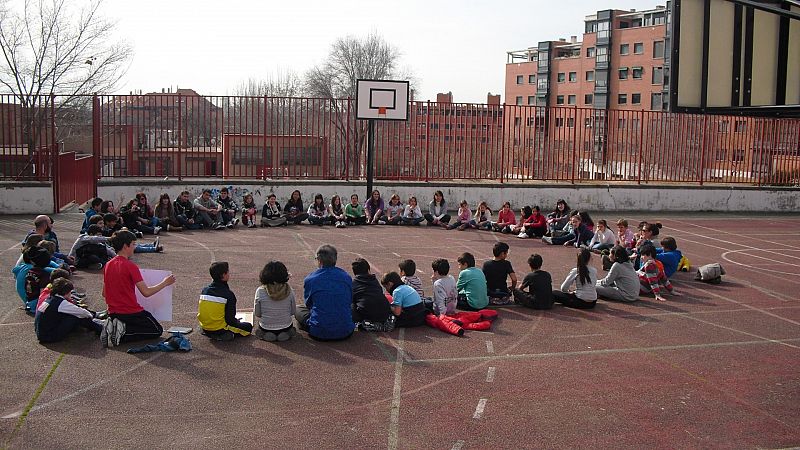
714, 368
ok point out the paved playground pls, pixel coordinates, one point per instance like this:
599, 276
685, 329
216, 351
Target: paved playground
714, 368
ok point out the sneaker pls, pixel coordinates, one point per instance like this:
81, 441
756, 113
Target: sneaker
264, 335
102, 315
105, 332
119, 332
138, 234
95, 266
219, 226
230, 225
160, 249
607, 263
283, 336
156, 242
156, 230
235, 222
500, 301
523, 235
252, 225
80, 295
547, 240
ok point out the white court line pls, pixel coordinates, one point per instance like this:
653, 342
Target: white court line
457, 446
479, 409
490, 374
581, 335
204, 246
742, 332
606, 351
396, 254
87, 388
489, 347
735, 243
751, 238
394, 414
793, 322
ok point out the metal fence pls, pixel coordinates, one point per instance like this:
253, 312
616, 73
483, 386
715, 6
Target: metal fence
183, 135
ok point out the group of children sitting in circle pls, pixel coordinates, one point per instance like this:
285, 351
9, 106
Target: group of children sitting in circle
334, 303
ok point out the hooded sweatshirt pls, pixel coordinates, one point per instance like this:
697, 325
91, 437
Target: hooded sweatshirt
274, 306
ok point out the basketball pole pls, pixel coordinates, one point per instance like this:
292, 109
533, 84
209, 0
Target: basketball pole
370, 156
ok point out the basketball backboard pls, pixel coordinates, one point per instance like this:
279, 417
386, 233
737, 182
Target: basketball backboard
382, 100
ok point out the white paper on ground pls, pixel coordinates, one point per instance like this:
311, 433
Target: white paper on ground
160, 303
244, 316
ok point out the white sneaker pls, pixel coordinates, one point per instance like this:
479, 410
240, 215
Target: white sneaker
523, 235
235, 222
119, 332
104, 333
156, 230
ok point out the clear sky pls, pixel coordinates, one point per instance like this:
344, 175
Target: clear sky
458, 46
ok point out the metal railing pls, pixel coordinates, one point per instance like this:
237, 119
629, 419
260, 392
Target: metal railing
184, 135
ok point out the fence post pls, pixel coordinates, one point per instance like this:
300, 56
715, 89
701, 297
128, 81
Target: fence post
180, 135
54, 161
503, 140
641, 143
97, 145
574, 140
427, 140
703, 150
347, 143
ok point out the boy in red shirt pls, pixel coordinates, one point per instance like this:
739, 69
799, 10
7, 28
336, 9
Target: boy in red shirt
127, 321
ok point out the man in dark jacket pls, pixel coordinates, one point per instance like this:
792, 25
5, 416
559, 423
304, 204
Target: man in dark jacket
184, 210
369, 302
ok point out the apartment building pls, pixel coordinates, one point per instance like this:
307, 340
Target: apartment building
620, 63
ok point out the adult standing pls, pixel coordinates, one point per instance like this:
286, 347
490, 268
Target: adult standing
328, 294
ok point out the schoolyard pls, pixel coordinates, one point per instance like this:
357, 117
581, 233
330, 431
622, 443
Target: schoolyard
716, 367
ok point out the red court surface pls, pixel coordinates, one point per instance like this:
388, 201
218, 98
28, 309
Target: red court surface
714, 368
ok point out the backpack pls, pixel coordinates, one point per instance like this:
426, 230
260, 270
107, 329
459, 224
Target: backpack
710, 273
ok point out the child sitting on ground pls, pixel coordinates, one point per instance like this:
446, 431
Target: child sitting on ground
412, 215
371, 311
54, 275
651, 278
274, 304
669, 255
463, 217
249, 211
406, 302
496, 271
110, 224
318, 212
57, 316
408, 269
625, 236
535, 225
217, 309
584, 277
483, 217
336, 210
91, 250
539, 284
37, 277
505, 218
603, 238
394, 211
354, 212
471, 285
526, 217
445, 294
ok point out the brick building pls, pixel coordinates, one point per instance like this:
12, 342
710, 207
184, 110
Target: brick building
621, 63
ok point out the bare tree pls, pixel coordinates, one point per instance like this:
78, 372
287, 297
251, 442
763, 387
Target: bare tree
352, 58
283, 84
51, 48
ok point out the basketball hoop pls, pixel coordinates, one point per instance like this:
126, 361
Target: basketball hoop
381, 111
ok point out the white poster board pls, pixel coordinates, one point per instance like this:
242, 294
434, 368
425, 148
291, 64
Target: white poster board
160, 303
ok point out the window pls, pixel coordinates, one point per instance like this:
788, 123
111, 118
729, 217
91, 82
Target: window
587, 99
590, 75
624, 49
559, 100
587, 122
623, 73
655, 101
741, 126
531, 100
531, 79
573, 77
519, 79
738, 155
621, 124
723, 126
561, 77
559, 122
601, 79
572, 99
658, 75
622, 99
636, 99
543, 60
300, 155
638, 72
250, 155
421, 137
590, 52
541, 100
602, 30
658, 49
720, 154
570, 122
602, 55
435, 126
638, 48
517, 121
543, 84
623, 24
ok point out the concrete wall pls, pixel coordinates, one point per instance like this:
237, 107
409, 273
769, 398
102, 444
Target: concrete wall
26, 198
594, 197
37, 198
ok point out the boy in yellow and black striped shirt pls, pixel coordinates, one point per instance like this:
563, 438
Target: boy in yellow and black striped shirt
217, 309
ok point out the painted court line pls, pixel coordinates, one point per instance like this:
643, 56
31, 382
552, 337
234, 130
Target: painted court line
87, 388
750, 238
606, 351
489, 347
793, 322
457, 445
742, 332
394, 414
490, 375
479, 409
581, 335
